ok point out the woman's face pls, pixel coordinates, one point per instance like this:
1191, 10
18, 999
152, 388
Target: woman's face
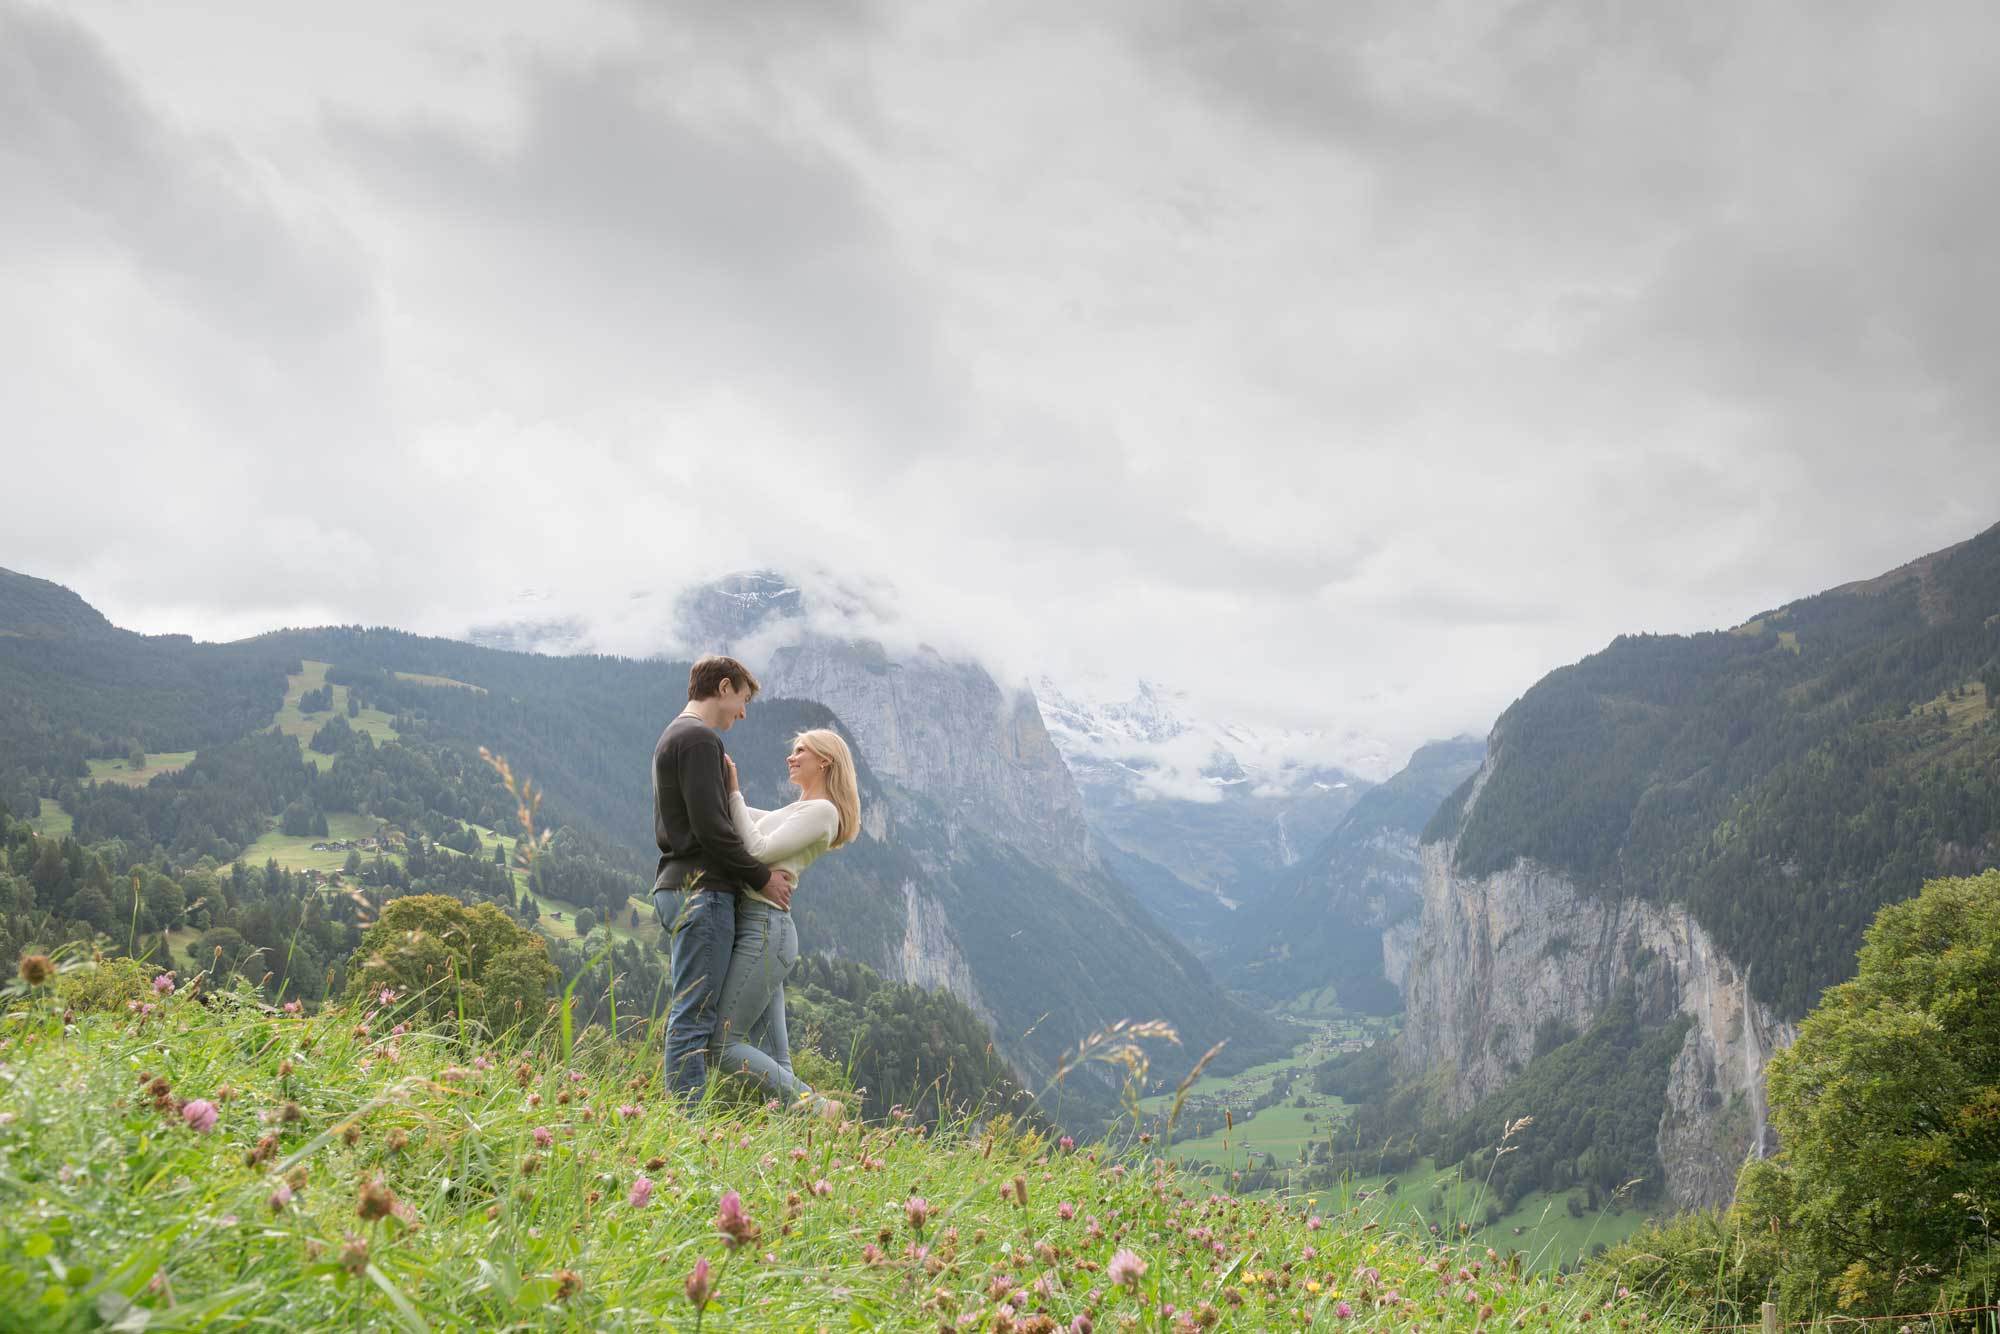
804, 766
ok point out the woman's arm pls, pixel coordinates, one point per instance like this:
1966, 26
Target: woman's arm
798, 829
744, 817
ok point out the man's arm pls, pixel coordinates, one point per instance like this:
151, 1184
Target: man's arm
702, 789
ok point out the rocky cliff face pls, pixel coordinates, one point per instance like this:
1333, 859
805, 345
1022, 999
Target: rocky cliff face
1491, 958
935, 726
949, 731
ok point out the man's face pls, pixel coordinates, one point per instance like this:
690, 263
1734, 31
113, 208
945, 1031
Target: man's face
734, 703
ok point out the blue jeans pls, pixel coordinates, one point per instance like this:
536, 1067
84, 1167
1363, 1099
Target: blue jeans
750, 1036
701, 929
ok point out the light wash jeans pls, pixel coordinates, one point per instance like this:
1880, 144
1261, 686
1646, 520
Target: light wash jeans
750, 1036
701, 926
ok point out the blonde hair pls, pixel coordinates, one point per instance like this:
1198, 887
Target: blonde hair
843, 789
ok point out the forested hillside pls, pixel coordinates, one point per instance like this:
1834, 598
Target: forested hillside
76, 688
1785, 779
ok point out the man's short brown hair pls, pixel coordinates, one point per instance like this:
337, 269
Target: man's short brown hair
705, 678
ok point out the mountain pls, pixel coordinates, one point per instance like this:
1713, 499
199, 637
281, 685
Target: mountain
76, 686
37, 609
1197, 816
1709, 822
938, 726
1325, 920
974, 874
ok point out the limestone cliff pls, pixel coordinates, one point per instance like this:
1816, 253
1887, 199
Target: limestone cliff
1493, 957
949, 731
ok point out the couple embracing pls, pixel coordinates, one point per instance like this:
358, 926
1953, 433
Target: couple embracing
724, 890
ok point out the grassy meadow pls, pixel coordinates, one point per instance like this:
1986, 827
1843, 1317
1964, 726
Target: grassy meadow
122, 770
1541, 1226
378, 725
425, 679
295, 852
205, 1162
52, 821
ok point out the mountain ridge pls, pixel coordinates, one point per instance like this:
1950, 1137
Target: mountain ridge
932, 894
1710, 820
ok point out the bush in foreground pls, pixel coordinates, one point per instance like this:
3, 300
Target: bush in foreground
214, 1164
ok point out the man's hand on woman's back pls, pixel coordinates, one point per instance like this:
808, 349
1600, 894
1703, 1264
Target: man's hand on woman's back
779, 891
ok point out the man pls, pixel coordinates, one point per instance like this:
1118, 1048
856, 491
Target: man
703, 863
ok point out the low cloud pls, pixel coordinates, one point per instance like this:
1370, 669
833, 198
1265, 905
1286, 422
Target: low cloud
1347, 367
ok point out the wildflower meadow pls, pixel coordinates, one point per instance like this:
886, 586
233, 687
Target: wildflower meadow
187, 1159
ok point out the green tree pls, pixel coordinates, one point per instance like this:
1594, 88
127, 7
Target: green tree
434, 952
164, 900
223, 950
1889, 1109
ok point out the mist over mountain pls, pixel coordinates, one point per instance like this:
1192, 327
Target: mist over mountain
1198, 815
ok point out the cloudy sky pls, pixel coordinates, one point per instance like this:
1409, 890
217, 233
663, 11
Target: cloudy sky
1345, 365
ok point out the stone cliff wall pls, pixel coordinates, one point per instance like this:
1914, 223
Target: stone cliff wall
930, 957
1494, 957
949, 731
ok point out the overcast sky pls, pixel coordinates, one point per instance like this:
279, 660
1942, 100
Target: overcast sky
1345, 365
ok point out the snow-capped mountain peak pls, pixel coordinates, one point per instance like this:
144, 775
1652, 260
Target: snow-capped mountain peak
1157, 741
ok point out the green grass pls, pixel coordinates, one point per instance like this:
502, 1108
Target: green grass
378, 725
1281, 1130
180, 941
1540, 1226
53, 821
647, 932
424, 680
1240, 1087
294, 852
118, 1209
1319, 1003
1968, 711
121, 771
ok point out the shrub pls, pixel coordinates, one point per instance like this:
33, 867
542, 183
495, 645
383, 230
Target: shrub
106, 984
439, 958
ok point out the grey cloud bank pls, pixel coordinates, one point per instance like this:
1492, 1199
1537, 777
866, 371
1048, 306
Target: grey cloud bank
1345, 366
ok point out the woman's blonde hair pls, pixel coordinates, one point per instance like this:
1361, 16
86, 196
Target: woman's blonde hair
842, 787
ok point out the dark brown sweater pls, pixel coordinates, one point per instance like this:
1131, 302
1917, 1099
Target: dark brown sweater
691, 813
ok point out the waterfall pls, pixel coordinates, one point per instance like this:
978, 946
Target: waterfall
1753, 1056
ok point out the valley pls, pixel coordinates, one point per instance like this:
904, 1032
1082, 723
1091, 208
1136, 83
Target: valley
1543, 974
1283, 1128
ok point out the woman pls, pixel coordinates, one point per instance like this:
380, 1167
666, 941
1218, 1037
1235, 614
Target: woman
750, 1032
